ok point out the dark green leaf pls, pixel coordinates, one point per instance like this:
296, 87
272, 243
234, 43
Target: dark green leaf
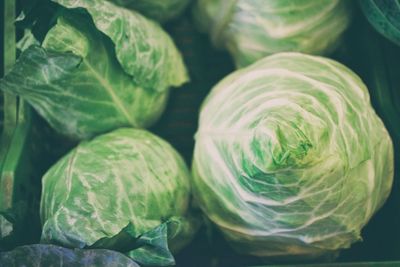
384, 16
153, 248
50, 255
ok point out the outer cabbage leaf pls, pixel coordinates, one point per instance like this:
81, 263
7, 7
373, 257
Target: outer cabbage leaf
98, 84
384, 16
50, 255
127, 190
160, 10
145, 51
253, 29
77, 77
290, 158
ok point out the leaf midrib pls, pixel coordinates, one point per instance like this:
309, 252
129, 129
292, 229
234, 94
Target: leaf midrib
108, 87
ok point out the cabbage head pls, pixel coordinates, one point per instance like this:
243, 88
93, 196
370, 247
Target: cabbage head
100, 67
127, 190
290, 158
253, 29
160, 10
384, 16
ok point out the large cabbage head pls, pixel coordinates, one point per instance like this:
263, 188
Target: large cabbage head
384, 16
253, 29
100, 67
127, 190
290, 157
160, 10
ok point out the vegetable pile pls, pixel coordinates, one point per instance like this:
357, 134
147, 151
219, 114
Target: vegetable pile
290, 161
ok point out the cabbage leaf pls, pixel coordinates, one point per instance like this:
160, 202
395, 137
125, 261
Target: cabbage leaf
51, 255
384, 16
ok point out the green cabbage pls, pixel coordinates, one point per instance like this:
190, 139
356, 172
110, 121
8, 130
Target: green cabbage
290, 158
50, 255
252, 29
384, 16
127, 190
160, 10
93, 74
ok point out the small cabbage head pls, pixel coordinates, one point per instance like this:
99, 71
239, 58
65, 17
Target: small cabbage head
160, 10
253, 29
127, 190
290, 158
384, 16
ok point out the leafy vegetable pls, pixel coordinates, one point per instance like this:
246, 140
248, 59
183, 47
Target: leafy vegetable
384, 15
160, 10
143, 49
290, 158
127, 190
98, 84
252, 29
50, 255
